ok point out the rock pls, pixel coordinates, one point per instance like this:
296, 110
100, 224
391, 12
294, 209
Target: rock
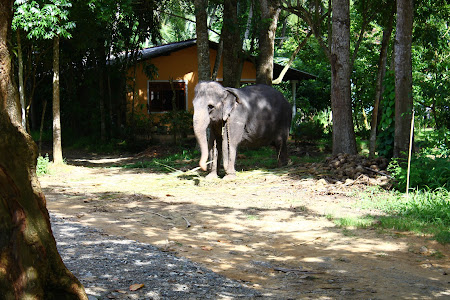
423, 250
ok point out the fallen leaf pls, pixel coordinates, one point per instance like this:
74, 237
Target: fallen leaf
207, 248
136, 286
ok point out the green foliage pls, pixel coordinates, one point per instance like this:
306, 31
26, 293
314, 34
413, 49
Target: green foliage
426, 172
308, 130
143, 124
180, 122
264, 157
174, 27
42, 166
430, 52
386, 129
186, 158
358, 222
424, 212
43, 20
434, 142
429, 207
312, 127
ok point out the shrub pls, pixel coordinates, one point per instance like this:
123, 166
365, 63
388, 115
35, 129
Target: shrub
313, 129
42, 166
427, 172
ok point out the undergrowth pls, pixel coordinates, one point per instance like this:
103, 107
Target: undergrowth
423, 212
42, 166
173, 162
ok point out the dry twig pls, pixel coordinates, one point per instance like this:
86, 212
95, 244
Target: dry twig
285, 270
187, 222
164, 217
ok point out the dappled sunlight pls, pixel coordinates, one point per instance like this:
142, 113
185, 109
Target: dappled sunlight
262, 228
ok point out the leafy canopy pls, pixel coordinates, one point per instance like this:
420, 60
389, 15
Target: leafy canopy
43, 20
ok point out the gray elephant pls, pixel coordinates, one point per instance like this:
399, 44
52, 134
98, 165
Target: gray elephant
255, 115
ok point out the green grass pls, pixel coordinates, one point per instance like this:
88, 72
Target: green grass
355, 222
264, 157
423, 212
170, 163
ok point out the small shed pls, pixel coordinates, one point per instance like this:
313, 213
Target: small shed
178, 62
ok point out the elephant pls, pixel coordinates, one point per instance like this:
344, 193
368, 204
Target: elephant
255, 115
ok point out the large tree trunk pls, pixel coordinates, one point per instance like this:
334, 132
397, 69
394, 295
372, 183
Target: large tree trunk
30, 266
403, 76
270, 11
201, 28
341, 103
379, 83
57, 148
21, 83
231, 45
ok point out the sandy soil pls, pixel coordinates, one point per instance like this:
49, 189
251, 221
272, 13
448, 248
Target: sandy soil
267, 229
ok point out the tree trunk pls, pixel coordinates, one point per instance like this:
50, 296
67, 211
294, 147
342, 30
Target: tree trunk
57, 149
231, 45
379, 83
201, 28
30, 266
403, 77
21, 84
217, 60
270, 11
41, 128
341, 103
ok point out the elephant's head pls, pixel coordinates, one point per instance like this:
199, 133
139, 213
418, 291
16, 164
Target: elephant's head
213, 104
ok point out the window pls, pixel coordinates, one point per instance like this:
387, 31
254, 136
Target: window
160, 96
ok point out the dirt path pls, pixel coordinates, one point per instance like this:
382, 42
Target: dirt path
267, 230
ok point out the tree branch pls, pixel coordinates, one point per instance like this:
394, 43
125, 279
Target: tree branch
184, 18
291, 60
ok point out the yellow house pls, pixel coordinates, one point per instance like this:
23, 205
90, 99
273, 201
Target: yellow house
178, 61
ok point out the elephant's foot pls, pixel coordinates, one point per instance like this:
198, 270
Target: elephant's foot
212, 175
284, 162
230, 176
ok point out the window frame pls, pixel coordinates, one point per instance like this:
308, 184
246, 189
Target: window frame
186, 103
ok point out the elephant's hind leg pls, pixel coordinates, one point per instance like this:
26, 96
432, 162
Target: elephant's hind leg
282, 156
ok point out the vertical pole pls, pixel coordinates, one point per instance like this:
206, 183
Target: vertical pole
411, 135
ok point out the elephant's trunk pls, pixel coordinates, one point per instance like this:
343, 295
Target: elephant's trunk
201, 122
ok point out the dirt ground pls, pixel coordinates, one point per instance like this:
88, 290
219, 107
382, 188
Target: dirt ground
267, 229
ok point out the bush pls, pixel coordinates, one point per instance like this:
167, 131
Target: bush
42, 166
179, 122
430, 207
312, 129
427, 172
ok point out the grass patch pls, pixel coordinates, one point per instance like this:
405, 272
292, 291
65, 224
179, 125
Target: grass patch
423, 212
355, 222
186, 159
252, 217
249, 159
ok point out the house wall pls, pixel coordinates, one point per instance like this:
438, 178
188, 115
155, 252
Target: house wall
180, 66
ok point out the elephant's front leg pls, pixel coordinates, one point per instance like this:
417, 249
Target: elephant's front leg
215, 147
229, 148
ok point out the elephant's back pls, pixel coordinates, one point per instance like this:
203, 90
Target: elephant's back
269, 115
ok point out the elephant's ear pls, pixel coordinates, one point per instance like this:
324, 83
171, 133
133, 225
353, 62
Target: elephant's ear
230, 102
